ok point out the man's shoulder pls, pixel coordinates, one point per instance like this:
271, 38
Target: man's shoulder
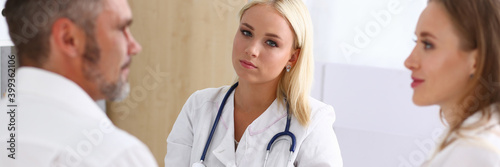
84, 141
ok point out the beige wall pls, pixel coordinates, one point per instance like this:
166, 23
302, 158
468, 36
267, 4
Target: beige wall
186, 47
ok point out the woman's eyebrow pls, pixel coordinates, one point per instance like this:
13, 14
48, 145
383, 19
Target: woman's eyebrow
272, 35
427, 34
267, 34
248, 25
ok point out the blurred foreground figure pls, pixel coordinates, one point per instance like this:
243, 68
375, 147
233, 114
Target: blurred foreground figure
71, 53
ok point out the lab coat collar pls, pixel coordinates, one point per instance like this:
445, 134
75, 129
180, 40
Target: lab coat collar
267, 119
271, 116
473, 119
477, 116
225, 151
46, 84
469, 133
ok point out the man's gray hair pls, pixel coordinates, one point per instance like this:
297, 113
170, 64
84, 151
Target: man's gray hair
30, 23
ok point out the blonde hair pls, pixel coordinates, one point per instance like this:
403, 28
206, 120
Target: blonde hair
295, 85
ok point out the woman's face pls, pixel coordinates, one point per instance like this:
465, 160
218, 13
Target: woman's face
263, 45
440, 68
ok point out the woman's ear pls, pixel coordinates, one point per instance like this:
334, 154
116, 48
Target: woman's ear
472, 58
294, 57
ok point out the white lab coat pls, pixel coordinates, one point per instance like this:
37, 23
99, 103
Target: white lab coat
478, 147
316, 144
57, 124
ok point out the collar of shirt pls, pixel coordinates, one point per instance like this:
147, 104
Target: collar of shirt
45, 84
477, 117
268, 118
469, 132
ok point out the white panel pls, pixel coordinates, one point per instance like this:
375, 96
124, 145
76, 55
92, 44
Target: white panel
317, 87
377, 123
379, 33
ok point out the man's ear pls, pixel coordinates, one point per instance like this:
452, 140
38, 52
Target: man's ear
294, 57
68, 39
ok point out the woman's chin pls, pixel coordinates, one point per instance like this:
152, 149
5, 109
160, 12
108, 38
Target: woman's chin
421, 101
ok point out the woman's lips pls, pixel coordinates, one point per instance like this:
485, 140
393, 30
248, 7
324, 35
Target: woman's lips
416, 82
247, 64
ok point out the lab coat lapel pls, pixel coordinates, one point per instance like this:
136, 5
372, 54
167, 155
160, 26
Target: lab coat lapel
273, 114
254, 141
224, 152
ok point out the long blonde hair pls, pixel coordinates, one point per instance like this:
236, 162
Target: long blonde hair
296, 84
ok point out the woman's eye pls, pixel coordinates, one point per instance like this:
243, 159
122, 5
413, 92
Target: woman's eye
246, 33
271, 43
427, 45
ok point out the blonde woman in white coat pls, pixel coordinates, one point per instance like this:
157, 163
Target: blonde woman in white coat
455, 65
272, 55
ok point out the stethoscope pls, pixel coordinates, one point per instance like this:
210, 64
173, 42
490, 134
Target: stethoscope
269, 146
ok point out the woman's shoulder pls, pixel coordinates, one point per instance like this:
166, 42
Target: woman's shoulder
318, 105
487, 138
486, 142
320, 113
477, 145
320, 109
483, 134
469, 152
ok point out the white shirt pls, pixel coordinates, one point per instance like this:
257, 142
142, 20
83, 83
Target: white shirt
477, 147
316, 145
59, 125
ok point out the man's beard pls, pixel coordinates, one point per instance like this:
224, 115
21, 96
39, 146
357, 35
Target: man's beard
113, 91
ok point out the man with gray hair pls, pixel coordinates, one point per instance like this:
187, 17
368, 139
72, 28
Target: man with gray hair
71, 53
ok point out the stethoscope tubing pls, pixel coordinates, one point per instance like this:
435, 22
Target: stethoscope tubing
219, 113
284, 133
269, 145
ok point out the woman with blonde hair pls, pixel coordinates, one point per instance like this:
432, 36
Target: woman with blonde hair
267, 118
455, 65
